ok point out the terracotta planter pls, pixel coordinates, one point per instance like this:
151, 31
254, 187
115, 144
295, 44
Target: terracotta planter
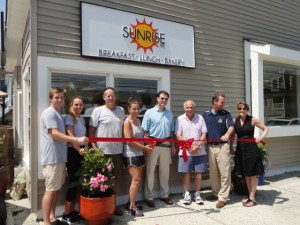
4, 180
97, 211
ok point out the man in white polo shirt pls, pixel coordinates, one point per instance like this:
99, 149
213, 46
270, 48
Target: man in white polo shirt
192, 125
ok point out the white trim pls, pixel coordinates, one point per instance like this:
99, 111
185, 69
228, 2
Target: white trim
48, 65
9, 79
25, 115
19, 124
255, 53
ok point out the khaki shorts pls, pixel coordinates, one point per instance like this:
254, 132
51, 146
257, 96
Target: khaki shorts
54, 176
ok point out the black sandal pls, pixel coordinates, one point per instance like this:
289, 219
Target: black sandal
245, 200
250, 203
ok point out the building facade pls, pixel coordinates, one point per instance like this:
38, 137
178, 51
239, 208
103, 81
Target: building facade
248, 50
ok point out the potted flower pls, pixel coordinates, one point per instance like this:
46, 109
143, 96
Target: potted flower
97, 199
264, 154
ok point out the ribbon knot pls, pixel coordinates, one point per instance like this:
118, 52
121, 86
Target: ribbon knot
186, 144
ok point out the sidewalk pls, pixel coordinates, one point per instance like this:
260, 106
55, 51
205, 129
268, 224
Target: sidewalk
278, 203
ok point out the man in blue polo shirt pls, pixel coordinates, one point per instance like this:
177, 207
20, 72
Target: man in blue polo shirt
158, 122
219, 129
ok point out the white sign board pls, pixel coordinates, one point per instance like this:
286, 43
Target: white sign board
116, 34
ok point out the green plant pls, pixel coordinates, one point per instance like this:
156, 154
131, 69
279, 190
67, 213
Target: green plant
264, 154
96, 174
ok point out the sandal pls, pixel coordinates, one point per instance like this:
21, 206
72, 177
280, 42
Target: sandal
135, 212
245, 200
250, 203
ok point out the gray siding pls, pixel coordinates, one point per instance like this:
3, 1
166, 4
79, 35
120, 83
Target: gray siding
284, 152
26, 44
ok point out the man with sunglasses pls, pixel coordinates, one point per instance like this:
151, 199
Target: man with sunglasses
219, 129
158, 122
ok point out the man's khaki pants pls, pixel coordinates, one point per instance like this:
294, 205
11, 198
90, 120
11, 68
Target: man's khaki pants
220, 170
160, 156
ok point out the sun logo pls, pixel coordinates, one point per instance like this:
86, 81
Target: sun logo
144, 35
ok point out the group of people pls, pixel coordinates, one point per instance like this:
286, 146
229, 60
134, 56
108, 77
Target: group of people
215, 128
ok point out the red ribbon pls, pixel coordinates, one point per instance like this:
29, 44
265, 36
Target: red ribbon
183, 144
187, 144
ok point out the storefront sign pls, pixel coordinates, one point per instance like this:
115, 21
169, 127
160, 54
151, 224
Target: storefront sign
116, 34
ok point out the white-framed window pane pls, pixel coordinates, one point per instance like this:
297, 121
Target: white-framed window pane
78, 84
128, 87
282, 91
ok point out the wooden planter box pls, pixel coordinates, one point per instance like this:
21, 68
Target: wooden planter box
8, 150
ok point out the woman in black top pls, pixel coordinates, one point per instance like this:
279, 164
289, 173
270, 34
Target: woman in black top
248, 161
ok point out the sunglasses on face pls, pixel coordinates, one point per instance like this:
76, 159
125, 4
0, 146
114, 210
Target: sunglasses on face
241, 109
164, 99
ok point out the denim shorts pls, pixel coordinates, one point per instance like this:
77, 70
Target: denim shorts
135, 161
194, 163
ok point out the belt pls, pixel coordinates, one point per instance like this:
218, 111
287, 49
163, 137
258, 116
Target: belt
162, 144
217, 143
245, 137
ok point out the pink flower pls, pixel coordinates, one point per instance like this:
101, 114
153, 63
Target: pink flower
100, 178
103, 187
109, 167
94, 183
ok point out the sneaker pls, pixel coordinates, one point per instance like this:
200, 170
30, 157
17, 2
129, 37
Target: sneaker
127, 206
72, 217
59, 222
187, 198
76, 215
118, 212
135, 212
198, 198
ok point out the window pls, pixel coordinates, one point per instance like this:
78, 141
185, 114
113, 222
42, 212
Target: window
272, 76
280, 86
135, 88
78, 84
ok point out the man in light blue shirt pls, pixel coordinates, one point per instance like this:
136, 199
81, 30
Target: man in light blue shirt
158, 122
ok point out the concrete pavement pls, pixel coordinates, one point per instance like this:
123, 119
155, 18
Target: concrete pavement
278, 203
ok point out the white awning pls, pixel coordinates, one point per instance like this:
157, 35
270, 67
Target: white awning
17, 13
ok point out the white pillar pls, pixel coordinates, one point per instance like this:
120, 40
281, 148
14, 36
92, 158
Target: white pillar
9, 78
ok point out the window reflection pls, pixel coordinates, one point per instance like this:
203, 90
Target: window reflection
91, 88
78, 84
281, 94
138, 88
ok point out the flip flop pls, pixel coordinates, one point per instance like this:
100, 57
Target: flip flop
250, 203
245, 200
